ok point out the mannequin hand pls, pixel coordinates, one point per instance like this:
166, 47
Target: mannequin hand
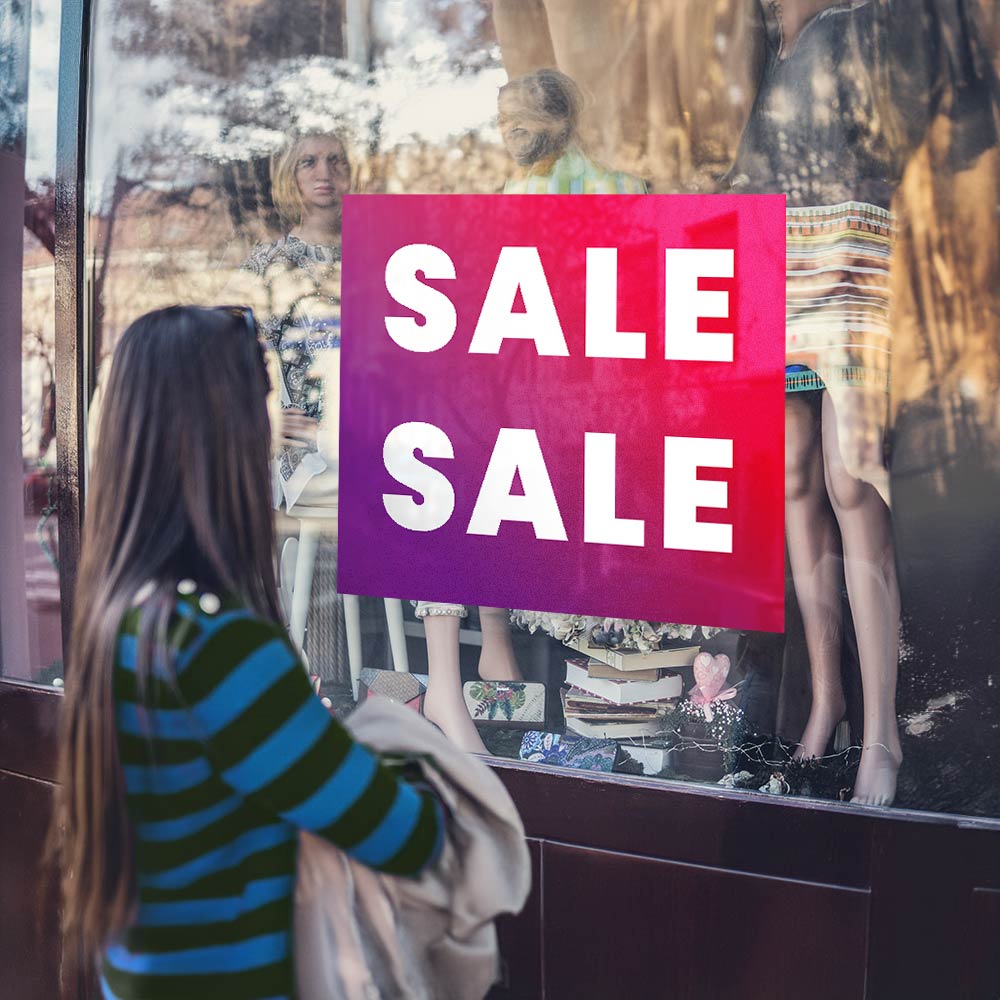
298, 430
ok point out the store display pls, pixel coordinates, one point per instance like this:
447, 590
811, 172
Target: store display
407, 689
710, 673
698, 754
634, 659
566, 750
613, 729
622, 691
508, 703
578, 703
604, 671
652, 760
874, 120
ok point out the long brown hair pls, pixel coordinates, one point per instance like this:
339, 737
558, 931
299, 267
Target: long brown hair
179, 488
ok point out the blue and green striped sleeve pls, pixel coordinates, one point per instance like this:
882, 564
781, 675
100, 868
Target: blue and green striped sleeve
274, 743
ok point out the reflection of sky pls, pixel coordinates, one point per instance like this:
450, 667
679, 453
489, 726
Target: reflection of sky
43, 89
420, 90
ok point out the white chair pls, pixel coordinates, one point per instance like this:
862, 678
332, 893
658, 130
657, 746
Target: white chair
298, 565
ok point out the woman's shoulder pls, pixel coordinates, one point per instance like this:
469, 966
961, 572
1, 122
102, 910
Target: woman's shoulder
195, 614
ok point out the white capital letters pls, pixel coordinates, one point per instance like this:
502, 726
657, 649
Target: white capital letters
437, 309
600, 524
684, 493
517, 451
685, 303
604, 339
519, 267
401, 462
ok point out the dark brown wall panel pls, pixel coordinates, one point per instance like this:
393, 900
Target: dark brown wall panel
521, 942
755, 833
618, 926
983, 943
29, 940
29, 724
925, 939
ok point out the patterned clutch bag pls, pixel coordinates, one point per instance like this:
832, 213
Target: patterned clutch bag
509, 704
566, 750
407, 689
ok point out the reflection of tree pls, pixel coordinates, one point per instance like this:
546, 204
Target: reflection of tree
218, 89
122, 187
39, 214
226, 39
14, 21
36, 347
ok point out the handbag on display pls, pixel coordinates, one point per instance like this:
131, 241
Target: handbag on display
396, 685
507, 704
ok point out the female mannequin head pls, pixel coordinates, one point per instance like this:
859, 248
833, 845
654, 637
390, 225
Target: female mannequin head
539, 113
309, 177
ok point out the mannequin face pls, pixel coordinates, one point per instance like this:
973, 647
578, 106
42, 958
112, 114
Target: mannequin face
526, 134
322, 172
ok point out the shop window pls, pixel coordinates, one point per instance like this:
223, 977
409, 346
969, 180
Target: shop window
30, 626
221, 141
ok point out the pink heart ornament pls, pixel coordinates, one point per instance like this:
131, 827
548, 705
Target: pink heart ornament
710, 673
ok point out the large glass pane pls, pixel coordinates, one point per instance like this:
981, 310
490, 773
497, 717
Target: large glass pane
30, 628
223, 140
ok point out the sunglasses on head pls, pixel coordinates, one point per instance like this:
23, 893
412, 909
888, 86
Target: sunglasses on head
245, 316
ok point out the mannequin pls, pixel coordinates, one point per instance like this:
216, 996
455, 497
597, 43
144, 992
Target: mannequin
847, 94
300, 274
444, 702
538, 118
296, 295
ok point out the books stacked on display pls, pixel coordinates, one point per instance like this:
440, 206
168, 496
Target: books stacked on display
631, 660
604, 702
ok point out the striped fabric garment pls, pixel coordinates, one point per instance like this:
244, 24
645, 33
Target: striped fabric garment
222, 770
837, 332
573, 173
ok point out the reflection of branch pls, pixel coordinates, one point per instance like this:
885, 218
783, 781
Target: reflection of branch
39, 217
121, 190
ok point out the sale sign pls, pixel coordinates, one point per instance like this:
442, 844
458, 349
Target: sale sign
566, 404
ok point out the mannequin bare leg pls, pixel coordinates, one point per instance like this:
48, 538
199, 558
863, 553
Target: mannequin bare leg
873, 591
496, 661
813, 552
444, 704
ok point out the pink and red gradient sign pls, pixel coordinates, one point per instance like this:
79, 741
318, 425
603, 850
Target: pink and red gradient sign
492, 452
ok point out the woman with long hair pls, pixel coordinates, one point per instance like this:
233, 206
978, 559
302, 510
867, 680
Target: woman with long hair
194, 748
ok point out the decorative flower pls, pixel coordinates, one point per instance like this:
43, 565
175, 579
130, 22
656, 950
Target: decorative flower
612, 633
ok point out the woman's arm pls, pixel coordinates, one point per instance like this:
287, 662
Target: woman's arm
273, 742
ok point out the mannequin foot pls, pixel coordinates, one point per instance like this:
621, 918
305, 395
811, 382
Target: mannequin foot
824, 717
499, 665
452, 717
496, 660
875, 784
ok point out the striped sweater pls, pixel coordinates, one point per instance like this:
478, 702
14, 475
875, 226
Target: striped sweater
222, 769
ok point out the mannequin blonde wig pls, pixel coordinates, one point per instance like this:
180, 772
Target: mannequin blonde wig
284, 187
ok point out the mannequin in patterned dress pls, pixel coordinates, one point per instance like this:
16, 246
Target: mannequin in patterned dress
299, 275
847, 94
